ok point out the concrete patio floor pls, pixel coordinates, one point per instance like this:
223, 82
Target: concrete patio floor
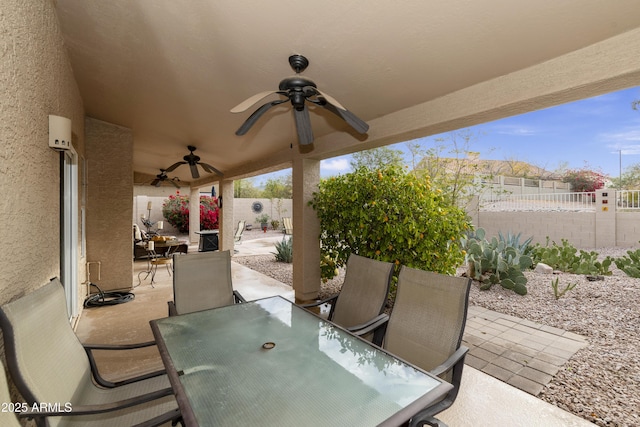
483, 399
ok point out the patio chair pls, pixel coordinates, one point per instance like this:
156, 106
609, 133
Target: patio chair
202, 281
48, 364
426, 327
238, 236
287, 225
363, 295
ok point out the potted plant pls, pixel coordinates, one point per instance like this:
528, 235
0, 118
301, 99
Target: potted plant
264, 221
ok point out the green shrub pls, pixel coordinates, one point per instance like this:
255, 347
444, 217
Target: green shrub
629, 263
567, 258
284, 250
499, 261
388, 215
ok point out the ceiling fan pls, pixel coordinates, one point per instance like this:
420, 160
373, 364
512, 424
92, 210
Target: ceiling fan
298, 89
193, 161
162, 176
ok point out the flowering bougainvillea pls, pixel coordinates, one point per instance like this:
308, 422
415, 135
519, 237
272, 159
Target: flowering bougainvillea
176, 211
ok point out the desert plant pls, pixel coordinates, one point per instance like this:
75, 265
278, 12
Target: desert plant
284, 250
496, 262
275, 224
559, 293
262, 218
388, 215
629, 263
567, 258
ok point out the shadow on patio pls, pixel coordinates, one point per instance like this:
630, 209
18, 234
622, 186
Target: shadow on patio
483, 399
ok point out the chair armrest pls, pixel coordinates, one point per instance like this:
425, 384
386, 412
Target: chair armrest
369, 326
99, 408
88, 348
331, 299
451, 361
172, 308
378, 326
238, 298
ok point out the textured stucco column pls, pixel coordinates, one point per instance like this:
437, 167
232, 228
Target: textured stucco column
225, 222
194, 214
109, 154
306, 230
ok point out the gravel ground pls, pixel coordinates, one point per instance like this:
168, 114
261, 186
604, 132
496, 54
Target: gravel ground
601, 382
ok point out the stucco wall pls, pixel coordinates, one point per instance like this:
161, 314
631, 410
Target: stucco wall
36, 80
109, 208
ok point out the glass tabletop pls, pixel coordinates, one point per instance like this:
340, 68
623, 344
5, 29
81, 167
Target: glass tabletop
270, 362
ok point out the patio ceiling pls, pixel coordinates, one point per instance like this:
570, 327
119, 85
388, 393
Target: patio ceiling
171, 70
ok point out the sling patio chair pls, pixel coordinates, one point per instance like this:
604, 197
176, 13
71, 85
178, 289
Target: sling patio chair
202, 281
48, 364
287, 225
237, 237
425, 328
363, 295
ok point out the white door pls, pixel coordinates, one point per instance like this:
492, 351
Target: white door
69, 229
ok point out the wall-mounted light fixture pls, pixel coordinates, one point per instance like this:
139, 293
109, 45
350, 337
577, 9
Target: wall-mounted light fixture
59, 133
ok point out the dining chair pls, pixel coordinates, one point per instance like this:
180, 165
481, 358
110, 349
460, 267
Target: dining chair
48, 364
426, 327
202, 281
363, 295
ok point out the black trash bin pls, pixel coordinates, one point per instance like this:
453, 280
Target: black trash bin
208, 240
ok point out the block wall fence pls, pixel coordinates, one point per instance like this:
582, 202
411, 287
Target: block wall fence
607, 226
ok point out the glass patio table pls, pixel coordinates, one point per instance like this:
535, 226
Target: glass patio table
271, 363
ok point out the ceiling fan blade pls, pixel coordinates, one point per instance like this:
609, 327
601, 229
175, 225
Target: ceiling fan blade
155, 182
210, 169
175, 165
303, 126
256, 115
330, 99
352, 120
194, 171
244, 105
175, 184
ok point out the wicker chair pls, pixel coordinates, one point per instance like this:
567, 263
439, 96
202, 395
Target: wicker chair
363, 295
426, 327
202, 281
48, 363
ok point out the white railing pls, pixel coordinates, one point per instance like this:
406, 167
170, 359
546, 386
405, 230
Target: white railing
559, 202
628, 200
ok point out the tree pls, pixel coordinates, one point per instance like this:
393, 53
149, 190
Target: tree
585, 179
377, 158
278, 188
451, 165
630, 179
389, 215
244, 188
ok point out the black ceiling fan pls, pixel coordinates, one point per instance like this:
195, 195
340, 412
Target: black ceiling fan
162, 176
299, 90
193, 161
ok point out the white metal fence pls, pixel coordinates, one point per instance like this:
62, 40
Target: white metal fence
557, 202
628, 200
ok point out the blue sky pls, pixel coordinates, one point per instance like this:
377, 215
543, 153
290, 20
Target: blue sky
591, 132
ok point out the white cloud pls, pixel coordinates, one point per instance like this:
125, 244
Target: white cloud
335, 165
517, 130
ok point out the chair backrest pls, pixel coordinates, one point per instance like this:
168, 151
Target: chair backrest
364, 291
202, 281
428, 317
45, 358
238, 235
287, 223
7, 418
